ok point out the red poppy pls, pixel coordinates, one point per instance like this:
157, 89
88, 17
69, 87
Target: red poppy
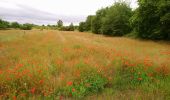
20, 65
61, 97
69, 83
14, 98
1, 72
41, 81
150, 74
73, 90
32, 90
140, 79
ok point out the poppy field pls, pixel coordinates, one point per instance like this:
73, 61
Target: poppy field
59, 65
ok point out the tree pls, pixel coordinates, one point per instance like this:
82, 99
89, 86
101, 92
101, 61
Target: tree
152, 19
89, 23
26, 26
82, 26
97, 20
4, 24
71, 27
15, 25
116, 21
60, 24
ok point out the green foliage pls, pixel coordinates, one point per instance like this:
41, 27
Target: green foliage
89, 23
82, 26
51, 27
71, 27
15, 25
89, 82
151, 20
97, 20
116, 21
26, 26
112, 20
60, 24
67, 28
140, 77
4, 24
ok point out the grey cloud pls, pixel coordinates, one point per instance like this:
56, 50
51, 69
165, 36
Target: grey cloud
28, 14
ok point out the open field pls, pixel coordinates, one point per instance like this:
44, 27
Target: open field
56, 65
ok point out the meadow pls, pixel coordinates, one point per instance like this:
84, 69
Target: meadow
60, 65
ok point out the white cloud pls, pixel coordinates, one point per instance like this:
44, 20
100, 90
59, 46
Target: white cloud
49, 11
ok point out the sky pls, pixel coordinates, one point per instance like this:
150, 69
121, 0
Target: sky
50, 11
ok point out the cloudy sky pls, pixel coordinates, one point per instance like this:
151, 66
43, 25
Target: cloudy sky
49, 11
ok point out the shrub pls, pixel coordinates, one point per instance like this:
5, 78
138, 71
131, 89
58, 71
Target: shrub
4, 24
82, 26
15, 25
26, 26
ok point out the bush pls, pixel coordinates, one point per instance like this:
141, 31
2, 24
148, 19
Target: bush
82, 26
26, 26
67, 28
4, 24
15, 25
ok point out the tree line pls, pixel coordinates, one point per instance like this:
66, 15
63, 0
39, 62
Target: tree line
6, 25
151, 20
59, 26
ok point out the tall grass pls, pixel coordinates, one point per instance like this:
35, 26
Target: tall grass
72, 65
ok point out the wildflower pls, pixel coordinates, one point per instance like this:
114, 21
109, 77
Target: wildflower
73, 89
30, 75
14, 98
59, 62
32, 90
163, 70
99, 70
45, 94
61, 97
140, 79
1, 72
41, 81
126, 63
148, 62
20, 65
39, 71
69, 83
24, 72
150, 74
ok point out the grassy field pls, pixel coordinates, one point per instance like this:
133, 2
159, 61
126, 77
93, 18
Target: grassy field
57, 65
